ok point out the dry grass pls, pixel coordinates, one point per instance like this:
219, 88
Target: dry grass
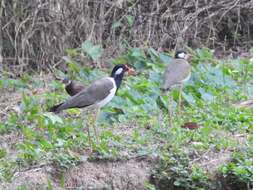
35, 33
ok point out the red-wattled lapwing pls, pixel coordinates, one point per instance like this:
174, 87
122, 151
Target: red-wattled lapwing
176, 73
72, 87
95, 96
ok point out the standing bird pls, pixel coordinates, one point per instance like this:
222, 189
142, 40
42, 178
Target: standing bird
72, 87
176, 73
95, 96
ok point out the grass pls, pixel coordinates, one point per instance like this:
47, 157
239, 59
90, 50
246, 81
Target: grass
135, 123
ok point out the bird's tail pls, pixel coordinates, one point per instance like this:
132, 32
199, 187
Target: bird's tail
55, 108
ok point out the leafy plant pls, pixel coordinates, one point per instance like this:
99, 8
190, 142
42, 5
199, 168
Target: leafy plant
239, 172
93, 51
174, 171
135, 123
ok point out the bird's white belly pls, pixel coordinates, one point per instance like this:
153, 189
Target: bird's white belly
186, 79
109, 97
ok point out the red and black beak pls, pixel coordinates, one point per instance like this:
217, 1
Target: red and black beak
130, 70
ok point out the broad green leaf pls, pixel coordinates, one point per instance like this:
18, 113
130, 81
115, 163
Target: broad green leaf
45, 145
116, 24
137, 52
208, 97
73, 66
165, 58
189, 98
130, 20
54, 118
94, 51
2, 153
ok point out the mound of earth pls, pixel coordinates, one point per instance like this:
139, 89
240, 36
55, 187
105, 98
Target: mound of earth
130, 175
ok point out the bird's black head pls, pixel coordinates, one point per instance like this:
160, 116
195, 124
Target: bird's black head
118, 73
181, 54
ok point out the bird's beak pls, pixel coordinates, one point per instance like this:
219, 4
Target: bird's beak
130, 70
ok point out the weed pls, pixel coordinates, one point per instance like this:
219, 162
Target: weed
135, 122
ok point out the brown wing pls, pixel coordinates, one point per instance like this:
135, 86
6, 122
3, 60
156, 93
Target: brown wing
74, 88
176, 72
96, 92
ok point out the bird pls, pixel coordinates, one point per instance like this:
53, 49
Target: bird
190, 125
176, 74
96, 95
72, 87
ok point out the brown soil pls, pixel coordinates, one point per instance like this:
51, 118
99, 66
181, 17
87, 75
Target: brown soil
10, 98
8, 142
8, 102
125, 175
212, 159
32, 179
131, 174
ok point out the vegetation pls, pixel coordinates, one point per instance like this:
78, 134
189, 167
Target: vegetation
216, 155
83, 40
34, 33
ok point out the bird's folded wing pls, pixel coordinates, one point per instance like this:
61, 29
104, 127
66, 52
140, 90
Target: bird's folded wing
175, 73
96, 92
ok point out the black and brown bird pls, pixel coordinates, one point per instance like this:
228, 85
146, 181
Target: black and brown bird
97, 95
72, 87
177, 73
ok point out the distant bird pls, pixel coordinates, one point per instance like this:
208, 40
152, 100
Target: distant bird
72, 87
176, 73
190, 125
97, 95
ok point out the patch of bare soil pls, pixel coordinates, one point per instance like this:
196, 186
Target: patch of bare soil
212, 159
8, 102
8, 142
125, 175
11, 98
31, 180
119, 175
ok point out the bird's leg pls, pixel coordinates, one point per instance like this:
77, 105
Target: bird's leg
89, 137
180, 99
170, 107
95, 123
88, 130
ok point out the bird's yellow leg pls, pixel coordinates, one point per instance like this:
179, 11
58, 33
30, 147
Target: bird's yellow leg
88, 129
89, 137
180, 99
95, 123
170, 107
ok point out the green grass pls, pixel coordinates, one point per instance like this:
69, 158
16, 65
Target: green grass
135, 123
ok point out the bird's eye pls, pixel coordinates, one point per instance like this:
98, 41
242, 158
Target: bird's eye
119, 71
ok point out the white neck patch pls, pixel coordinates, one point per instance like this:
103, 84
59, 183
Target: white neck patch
181, 55
68, 83
119, 71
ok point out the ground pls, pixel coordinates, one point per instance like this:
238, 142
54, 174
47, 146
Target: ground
120, 174
43, 150
130, 174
